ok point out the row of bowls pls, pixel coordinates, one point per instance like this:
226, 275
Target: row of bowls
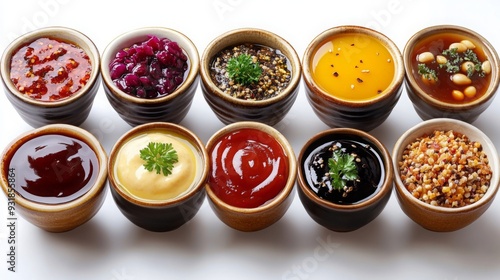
333, 111
170, 214
336, 113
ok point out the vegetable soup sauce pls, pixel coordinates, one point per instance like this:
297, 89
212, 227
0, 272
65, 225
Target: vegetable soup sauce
353, 67
443, 74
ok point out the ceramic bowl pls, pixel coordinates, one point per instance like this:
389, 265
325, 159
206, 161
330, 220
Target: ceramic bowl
54, 217
231, 109
256, 217
343, 111
348, 215
440, 218
163, 214
169, 108
73, 110
428, 107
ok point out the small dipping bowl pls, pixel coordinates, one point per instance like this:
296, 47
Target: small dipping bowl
72, 110
435, 217
357, 209
265, 165
172, 107
48, 200
153, 201
439, 102
231, 109
353, 77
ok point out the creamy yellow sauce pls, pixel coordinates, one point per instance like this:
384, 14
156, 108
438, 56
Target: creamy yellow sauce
135, 179
353, 67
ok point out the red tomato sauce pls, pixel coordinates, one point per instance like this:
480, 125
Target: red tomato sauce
49, 70
248, 168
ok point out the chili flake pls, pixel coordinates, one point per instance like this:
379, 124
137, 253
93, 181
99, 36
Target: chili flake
48, 69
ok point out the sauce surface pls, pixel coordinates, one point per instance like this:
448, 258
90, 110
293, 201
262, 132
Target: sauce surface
248, 168
353, 67
141, 183
368, 163
443, 88
49, 69
54, 169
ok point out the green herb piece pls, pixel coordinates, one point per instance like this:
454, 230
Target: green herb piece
342, 169
160, 157
429, 74
243, 70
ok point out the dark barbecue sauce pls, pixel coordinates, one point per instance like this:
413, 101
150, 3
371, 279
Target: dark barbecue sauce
54, 169
369, 166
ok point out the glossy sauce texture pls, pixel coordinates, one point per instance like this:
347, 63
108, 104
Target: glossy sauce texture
369, 168
49, 70
443, 88
353, 67
54, 169
248, 168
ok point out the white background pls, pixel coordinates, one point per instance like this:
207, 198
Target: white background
110, 247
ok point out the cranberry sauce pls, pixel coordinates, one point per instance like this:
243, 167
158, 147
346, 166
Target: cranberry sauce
368, 163
54, 169
248, 168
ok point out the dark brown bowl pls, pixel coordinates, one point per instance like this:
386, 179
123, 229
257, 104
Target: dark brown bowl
344, 217
428, 107
337, 112
231, 109
170, 108
73, 110
160, 215
55, 217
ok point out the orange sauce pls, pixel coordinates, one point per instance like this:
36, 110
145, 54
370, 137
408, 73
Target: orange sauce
353, 67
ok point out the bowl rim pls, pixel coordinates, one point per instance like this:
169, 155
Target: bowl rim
325, 36
57, 32
127, 38
487, 47
169, 127
292, 168
271, 39
385, 189
61, 129
448, 124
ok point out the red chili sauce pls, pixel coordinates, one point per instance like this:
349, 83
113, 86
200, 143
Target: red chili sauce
54, 169
248, 168
49, 70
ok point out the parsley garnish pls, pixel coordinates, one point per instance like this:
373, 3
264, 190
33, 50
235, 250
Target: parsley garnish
429, 74
243, 70
160, 157
342, 169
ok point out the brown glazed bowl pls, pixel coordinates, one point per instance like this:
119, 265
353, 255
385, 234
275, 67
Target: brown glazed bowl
170, 108
263, 216
162, 214
440, 218
428, 107
231, 109
55, 217
339, 112
347, 216
73, 110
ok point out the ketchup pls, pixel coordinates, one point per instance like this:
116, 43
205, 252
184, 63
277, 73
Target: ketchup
248, 168
54, 168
